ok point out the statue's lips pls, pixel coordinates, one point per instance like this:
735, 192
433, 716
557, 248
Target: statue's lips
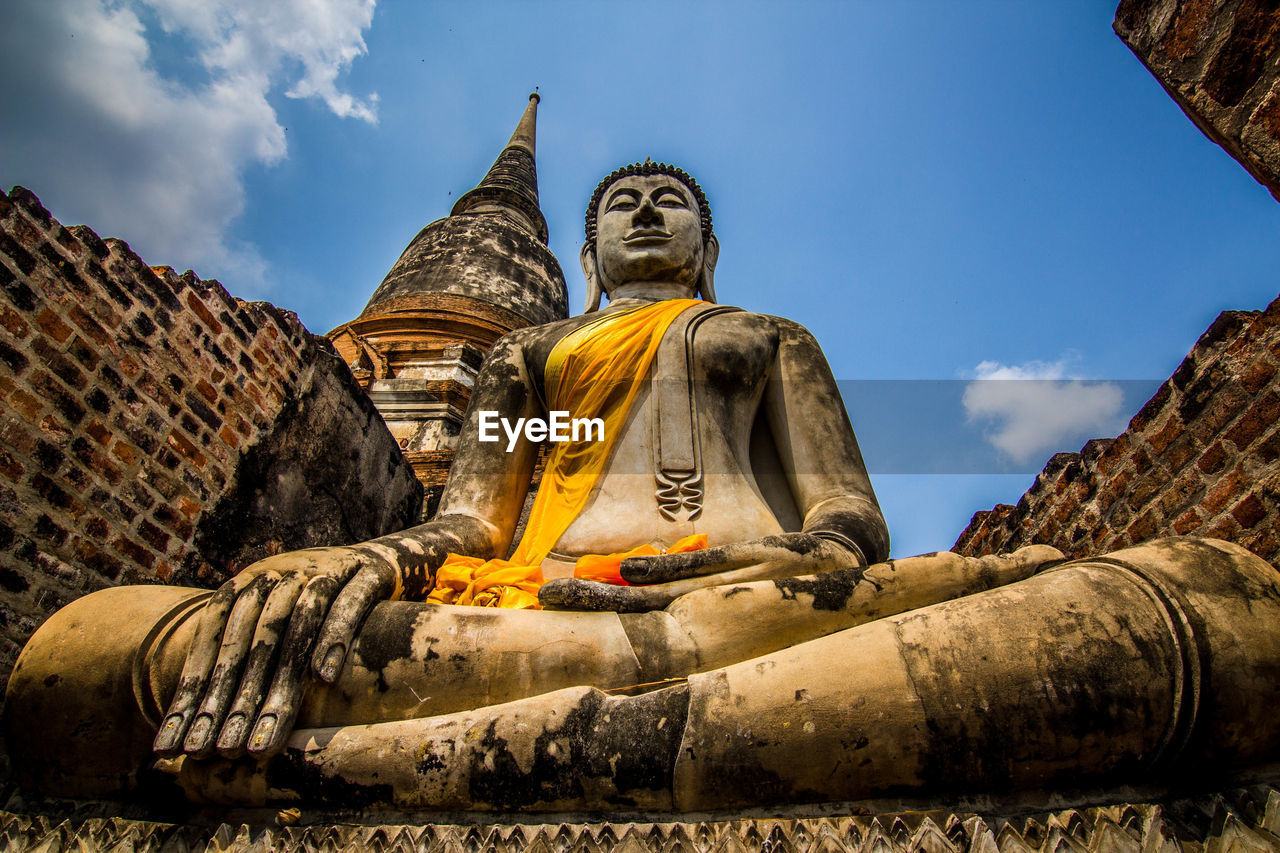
642, 238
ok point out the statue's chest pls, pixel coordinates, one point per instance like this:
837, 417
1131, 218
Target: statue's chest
731, 353
713, 371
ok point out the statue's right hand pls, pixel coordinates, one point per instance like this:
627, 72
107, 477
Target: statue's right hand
242, 682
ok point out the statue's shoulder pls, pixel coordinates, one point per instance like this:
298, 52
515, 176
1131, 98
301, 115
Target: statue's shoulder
533, 344
782, 327
535, 335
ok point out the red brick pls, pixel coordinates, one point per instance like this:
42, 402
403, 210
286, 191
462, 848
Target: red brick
1165, 436
188, 507
1226, 405
1223, 528
1143, 528
1224, 492
51, 324
131, 550
1257, 419
229, 437
90, 326
1110, 491
1189, 28
1212, 460
95, 461
201, 310
1249, 512
13, 322
124, 452
98, 432
54, 429
67, 241
10, 467
1181, 451
27, 405
128, 366
153, 536
98, 528
14, 433
173, 521
207, 391
185, 448
1257, 376
1187, 522
1268, 450
1148, 487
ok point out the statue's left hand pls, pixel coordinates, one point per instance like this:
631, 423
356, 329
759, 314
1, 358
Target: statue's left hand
781, 555
242, 683
662, 578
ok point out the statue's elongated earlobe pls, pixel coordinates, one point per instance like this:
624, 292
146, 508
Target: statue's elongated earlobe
594, 291
707, 281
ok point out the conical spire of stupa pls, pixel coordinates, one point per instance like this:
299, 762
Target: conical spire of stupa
491, 248
512, 183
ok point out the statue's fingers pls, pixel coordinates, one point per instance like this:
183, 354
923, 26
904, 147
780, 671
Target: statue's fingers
280, 709
662, 568
579, 594
226, 671
198, 666
257, 671
370, 585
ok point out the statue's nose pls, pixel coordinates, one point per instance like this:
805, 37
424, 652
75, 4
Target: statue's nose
647, 214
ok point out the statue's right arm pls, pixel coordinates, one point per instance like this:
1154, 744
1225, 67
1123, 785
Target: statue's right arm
242, 682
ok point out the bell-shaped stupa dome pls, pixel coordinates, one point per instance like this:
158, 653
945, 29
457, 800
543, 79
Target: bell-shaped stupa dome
492, 247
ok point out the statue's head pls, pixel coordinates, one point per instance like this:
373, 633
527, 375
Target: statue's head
649, 227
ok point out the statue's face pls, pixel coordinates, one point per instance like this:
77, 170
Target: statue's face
648, 229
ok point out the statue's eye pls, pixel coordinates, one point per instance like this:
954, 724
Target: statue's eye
669, 199
622, 201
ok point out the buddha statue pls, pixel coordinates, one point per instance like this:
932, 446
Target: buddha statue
788, 661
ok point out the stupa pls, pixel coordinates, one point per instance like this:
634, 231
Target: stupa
462, 282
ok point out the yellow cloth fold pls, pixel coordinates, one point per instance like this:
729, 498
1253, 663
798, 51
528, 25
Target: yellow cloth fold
595, 371
607, 568
486, 583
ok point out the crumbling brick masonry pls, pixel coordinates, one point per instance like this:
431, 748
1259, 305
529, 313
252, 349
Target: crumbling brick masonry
155, 429
1201, 458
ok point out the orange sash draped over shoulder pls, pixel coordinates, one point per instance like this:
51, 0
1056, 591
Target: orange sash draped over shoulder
595, 371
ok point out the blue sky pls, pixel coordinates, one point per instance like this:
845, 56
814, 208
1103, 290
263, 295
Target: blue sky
939, 191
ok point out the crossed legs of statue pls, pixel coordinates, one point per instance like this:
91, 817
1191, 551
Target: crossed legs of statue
911, 675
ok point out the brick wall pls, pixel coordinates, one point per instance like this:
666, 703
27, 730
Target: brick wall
1220, 60
1202, 457
155, 429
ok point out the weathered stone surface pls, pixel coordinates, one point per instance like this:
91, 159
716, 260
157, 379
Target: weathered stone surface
158, 430
492, 247
1201, 458
484, 256
461, 284
1219, 62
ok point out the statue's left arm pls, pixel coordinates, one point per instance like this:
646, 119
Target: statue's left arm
818, 450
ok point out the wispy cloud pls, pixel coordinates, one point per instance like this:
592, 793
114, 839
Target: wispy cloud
1032, 408
97, 130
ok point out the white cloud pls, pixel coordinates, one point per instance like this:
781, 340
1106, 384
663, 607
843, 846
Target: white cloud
1032, 408
94, 128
